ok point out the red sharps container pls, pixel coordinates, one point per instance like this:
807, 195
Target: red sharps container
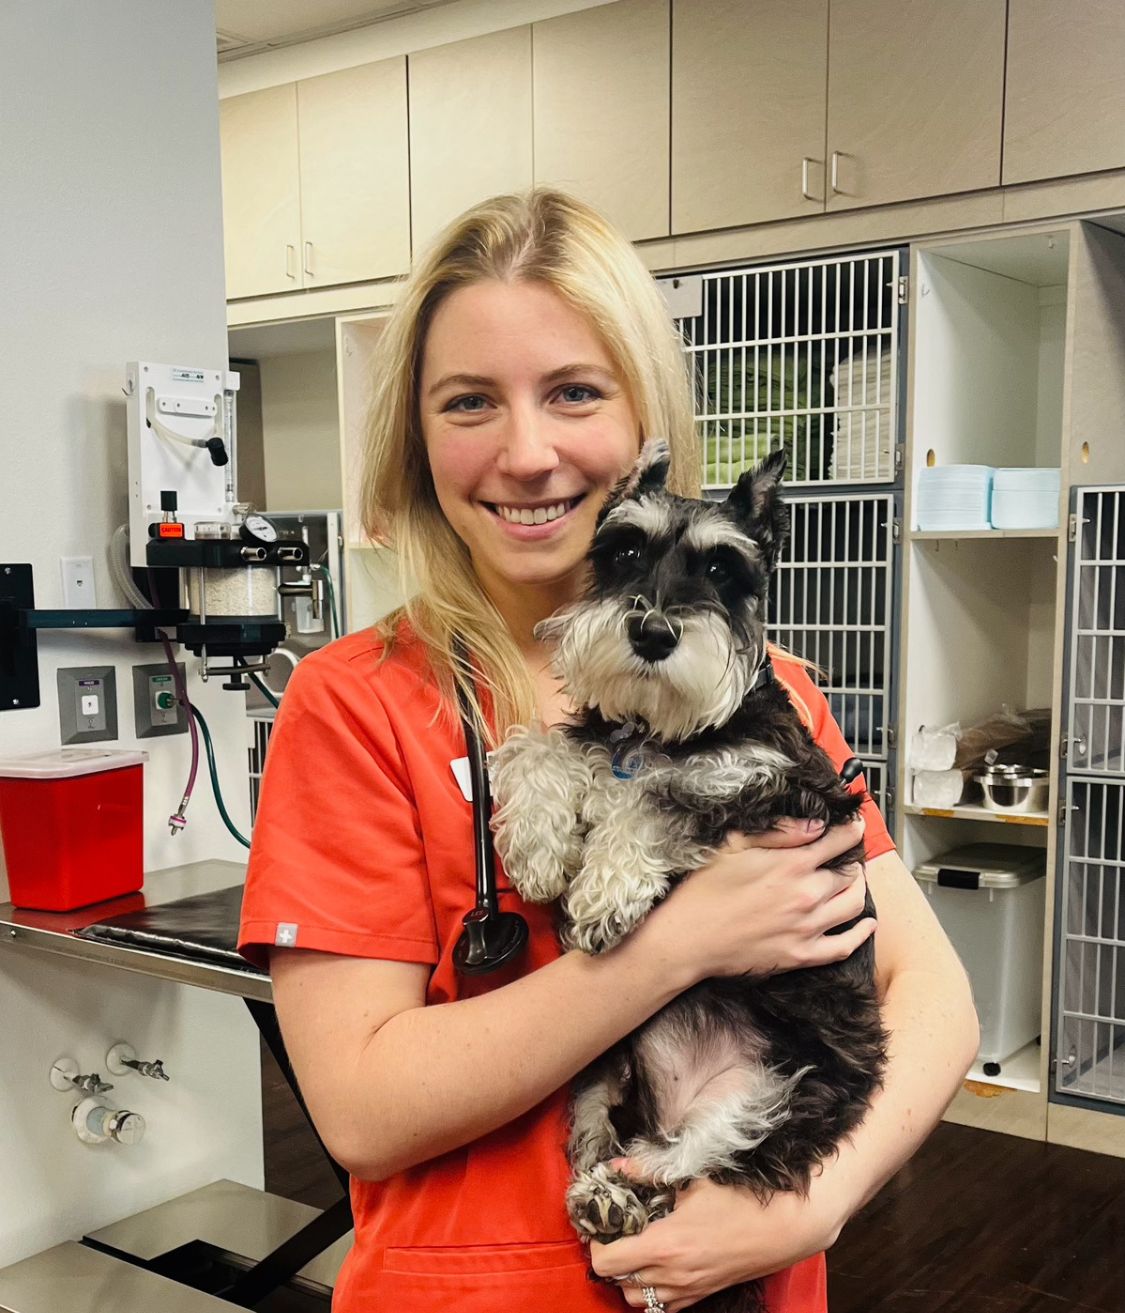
71, 821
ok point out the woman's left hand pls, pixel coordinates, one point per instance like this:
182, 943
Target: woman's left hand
718, 1236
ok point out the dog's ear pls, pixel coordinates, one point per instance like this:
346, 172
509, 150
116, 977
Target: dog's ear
648, 475
755, 502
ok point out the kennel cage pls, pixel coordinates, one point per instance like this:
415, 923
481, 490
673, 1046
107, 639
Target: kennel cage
806, 357
1089, 1012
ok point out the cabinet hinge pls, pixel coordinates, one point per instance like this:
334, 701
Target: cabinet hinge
903, 289
900, 457
1072, 528
896, 531
890, 736
888, 797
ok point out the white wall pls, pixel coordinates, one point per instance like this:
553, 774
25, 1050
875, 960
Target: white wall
110, 220
395, 36
301, 431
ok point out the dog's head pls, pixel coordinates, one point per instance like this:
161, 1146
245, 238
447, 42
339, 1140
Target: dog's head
671, 630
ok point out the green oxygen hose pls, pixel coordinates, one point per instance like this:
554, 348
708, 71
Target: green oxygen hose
210, 748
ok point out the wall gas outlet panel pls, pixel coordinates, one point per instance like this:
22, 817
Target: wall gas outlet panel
171, 409
156, 705
87, 703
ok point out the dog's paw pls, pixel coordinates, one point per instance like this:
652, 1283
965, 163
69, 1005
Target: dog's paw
604, 1205
599, 913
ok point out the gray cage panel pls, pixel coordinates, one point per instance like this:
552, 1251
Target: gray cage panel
875, 773
800, 356
832, 603
1090, 956
1091, 1034
1097, 733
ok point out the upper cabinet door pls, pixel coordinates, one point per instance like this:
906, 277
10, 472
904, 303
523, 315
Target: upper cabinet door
470, 126
1065, 107
601, 110
748, 100
261, 196
355, 174
915, 98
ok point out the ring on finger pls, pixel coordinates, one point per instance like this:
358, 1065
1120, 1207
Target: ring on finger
652, 1304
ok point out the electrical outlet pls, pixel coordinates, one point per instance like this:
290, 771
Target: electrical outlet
156, 704
87, 703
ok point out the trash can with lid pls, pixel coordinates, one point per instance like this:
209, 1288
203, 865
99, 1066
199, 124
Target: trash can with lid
71, 823
990, 900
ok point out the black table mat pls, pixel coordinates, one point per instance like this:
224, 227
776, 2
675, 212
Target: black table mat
203, 928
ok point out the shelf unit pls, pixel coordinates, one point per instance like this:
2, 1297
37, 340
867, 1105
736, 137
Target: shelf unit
1016, 355
975, 812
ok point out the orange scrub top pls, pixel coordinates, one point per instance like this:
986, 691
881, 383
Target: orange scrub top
363, 846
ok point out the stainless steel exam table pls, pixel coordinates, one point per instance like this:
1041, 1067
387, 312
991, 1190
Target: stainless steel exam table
181, 928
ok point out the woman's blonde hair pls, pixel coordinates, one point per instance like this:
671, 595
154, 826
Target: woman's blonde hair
544, 237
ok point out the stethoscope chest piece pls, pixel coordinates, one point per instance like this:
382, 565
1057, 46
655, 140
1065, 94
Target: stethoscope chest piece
489, 941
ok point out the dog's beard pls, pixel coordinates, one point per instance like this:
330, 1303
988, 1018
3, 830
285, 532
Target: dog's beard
699, 685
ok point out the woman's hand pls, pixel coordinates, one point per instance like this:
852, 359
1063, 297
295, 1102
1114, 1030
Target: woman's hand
764, 905
719, 1236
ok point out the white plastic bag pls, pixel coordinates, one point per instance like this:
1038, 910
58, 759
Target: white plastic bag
934, 748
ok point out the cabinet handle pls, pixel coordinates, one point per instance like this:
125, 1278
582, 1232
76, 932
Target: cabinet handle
308, 259
805, 162
290, 258
837, 156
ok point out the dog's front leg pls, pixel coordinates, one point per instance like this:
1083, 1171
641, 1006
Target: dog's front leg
630, 856
539, 779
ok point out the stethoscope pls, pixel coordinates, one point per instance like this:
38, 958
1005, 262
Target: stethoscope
490, 938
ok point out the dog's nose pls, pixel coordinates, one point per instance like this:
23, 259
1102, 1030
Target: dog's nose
653, 637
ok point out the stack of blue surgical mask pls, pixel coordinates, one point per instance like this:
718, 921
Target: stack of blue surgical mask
954, 497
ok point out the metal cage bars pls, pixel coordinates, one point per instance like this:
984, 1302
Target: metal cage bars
1090, 971
799, 356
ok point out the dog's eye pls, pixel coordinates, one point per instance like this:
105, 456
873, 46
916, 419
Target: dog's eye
718, 570
627, 554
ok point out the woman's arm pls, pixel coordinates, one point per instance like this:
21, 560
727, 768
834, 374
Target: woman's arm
391, 1083
719, 1236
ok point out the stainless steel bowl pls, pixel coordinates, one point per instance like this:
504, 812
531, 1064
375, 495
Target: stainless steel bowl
1014, 788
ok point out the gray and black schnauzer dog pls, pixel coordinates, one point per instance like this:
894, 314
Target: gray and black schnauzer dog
683, 736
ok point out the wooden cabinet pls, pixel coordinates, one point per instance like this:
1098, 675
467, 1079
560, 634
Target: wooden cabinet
915, 98
355, 174
748, 102
470, 126
316, 181
261, 191
1065, 101
601, 110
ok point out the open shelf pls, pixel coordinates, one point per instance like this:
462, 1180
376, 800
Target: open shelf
975, 812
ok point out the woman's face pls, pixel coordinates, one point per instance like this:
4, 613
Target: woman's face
527, 425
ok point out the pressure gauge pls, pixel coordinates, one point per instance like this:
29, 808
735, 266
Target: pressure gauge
258, 530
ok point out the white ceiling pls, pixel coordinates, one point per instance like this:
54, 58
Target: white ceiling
245, 27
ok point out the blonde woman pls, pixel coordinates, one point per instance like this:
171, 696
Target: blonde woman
527, 360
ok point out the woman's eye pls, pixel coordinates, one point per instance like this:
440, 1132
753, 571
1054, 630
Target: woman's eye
467, 405
577, 393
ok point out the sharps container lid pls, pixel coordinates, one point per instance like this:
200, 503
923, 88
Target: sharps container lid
63, 763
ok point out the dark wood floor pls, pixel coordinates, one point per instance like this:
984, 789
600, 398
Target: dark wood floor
975, 1223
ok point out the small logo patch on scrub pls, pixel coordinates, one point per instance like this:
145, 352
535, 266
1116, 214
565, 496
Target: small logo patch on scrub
286, 935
